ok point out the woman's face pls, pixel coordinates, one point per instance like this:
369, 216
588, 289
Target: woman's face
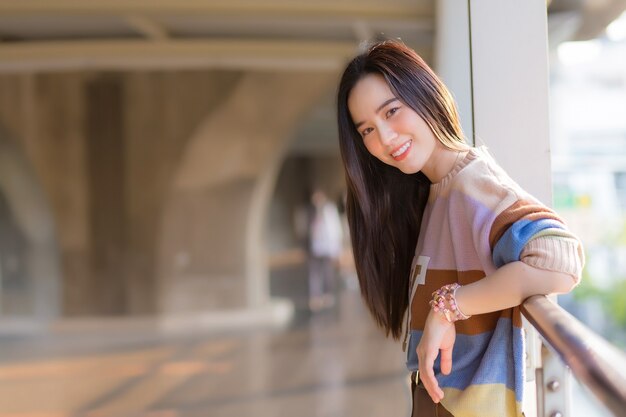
392, 131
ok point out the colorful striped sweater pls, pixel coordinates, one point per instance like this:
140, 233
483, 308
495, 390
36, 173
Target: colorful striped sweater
476, 220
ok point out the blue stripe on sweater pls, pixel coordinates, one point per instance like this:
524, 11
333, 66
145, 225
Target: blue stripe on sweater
486, 358
510, 246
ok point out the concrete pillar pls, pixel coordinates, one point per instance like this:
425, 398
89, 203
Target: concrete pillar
215, 216
452, 57
104, 147
45, 115
33, 216
159, 182
510, 87
500, 81
161, 112
107, 194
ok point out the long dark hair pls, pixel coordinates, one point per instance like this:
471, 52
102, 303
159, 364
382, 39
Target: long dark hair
385, 206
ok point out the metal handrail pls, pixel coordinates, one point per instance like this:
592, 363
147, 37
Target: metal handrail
593, 361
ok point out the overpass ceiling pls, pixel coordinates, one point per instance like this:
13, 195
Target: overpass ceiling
44, 35
295, 19
169, 33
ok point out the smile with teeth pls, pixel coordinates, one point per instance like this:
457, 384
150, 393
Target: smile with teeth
401, 150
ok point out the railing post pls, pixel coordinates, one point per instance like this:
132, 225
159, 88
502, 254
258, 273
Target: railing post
553, 386
532, 355
600, 366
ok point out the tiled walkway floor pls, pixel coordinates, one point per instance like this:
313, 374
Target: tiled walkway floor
333, 364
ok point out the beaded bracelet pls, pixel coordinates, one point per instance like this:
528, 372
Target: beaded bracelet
444, 302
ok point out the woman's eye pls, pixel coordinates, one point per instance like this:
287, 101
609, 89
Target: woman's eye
366, 131
392, 111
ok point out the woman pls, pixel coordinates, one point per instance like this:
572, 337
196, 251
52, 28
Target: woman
442, 237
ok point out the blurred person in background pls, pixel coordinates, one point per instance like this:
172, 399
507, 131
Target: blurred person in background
443, 237
325, 247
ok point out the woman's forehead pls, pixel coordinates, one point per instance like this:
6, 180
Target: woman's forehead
368, 94
371, 83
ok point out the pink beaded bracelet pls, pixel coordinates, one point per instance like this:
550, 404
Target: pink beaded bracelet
444, 302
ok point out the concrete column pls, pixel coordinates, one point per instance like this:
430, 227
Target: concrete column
107, 194
44, 114
510, 85
215, 215
452, 57
34, 217
103, 149
162, 110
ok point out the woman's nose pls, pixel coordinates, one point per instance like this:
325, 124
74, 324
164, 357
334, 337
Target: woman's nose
387, 134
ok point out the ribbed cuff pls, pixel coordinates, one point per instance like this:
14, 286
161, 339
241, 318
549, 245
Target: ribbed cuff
555, 254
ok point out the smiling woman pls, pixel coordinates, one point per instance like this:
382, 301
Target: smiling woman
443, 237
394, 133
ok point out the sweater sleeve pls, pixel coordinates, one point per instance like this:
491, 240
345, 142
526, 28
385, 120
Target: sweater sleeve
556, 253
534, 234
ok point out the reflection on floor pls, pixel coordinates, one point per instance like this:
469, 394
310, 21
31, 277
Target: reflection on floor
334, 363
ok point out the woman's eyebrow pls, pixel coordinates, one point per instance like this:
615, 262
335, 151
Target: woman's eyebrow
391, 100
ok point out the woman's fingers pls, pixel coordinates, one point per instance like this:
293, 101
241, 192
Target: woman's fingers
438, 335
446, 361
427, 376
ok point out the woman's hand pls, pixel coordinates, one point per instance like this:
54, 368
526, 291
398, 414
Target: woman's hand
439, 335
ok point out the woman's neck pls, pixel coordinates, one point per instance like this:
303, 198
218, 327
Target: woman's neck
442, 161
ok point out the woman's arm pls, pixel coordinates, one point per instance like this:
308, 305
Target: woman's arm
509, 286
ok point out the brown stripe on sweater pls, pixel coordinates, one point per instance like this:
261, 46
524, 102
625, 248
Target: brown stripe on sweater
435, 279
521, 209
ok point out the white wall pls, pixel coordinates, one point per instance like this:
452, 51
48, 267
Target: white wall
452, 57
509, 59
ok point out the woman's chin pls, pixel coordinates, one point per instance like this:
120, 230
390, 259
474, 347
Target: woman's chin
408, 170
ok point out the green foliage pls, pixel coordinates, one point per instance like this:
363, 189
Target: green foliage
613, 299
616, 303
586, 289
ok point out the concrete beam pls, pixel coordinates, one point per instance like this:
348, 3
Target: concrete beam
148, 28
355, 8
165, 54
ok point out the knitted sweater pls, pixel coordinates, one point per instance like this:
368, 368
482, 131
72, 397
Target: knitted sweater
476, 220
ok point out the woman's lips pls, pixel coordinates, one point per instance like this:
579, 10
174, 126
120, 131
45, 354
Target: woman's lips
401, 152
